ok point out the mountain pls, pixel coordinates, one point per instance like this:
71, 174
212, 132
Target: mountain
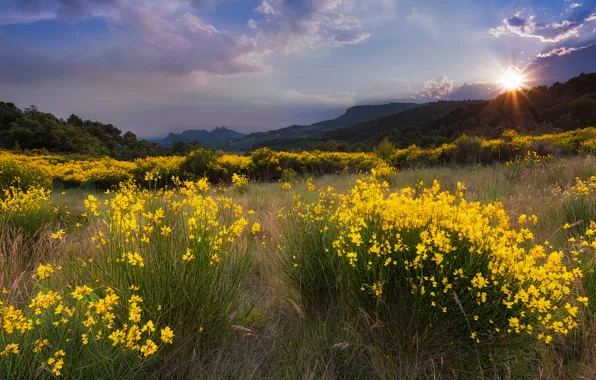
215, 138
382, 127
359, 136
360, 114
352, 116
538, 110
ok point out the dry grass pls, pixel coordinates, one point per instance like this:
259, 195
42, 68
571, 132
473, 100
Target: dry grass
276, 340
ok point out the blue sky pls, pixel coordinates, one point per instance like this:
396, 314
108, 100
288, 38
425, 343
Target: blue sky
155, 66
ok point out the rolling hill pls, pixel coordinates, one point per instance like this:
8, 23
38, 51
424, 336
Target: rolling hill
543, 109
352, 116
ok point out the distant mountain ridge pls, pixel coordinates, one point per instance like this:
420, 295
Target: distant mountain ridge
359, 114
353, 115
538, 110
215, 138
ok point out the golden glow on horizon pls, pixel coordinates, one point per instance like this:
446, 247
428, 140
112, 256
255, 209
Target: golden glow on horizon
513, 80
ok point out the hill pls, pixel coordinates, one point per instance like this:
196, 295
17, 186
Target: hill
538, 110
31, 129
352, 116
215, 138
360, 114
543, 109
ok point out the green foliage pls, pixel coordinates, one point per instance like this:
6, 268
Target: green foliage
31, 129
539, 110
385, 149
468, 149
200, 161
22, 174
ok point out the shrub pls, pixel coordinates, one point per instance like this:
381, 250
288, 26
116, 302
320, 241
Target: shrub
200, 161
104, 173
157, 171
186, 252
428, 263
22, 172
385, 149
25, 213
240, 182
91, 332
266, 164
467, 149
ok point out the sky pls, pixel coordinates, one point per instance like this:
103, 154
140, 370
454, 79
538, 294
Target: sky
159, 66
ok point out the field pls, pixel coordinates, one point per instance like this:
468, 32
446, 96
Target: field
477, 271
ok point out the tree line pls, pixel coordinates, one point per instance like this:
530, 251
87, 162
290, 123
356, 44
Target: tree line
32, 129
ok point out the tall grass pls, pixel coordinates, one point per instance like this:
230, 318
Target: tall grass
277, 301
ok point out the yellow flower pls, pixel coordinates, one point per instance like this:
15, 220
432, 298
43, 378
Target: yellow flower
149, 348
167, 335
81, 291
58, 235
44, 271
583, 300
188, 255
39, 344
11, 348
256, 228
134, 259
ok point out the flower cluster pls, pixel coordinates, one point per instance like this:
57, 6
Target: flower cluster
450, 255
240, 181
54, 325
17, 200
530, 159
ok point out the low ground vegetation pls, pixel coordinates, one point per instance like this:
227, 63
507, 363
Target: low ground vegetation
475, 271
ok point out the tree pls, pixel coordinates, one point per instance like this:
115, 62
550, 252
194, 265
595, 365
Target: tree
385, 149
75, 120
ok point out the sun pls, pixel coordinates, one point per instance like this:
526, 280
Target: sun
513, 80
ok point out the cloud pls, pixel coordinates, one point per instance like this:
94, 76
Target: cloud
294, 25
266, 8
332, 98
68, 8
437, 87
475, 90
560, 51
171, 38
164, 38
547, 32
12, 17
424, 21
187, 44
561, 64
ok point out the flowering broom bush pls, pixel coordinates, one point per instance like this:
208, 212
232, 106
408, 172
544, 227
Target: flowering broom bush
428, 260
240, 182
92, 332
185, 251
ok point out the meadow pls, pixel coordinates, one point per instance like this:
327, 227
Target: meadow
302, 266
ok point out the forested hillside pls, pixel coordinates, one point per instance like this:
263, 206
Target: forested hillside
544, 109
32, 129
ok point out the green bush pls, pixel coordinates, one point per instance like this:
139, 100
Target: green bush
198, 162
23, 174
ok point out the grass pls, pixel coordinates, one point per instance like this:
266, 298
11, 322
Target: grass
253, 317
